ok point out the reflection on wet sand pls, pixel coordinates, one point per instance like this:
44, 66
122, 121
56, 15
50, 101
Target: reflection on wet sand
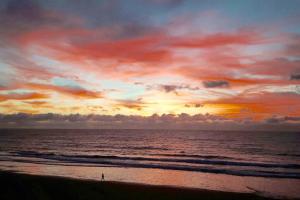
265, 186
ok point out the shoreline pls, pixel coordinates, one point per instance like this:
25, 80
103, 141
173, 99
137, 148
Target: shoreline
17, 185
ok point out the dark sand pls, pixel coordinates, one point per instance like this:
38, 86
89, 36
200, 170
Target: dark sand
21, 186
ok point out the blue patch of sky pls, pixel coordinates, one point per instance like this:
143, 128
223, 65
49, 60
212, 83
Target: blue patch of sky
147, 13
7, 73
65, 82
242, 13
126, 91
50, 64
18, 91
257, 12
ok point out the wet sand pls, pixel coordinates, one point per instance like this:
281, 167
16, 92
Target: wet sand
23, 186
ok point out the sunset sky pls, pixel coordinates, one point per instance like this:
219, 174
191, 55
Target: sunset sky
234, 60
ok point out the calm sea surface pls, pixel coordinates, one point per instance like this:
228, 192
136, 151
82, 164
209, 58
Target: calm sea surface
268, 155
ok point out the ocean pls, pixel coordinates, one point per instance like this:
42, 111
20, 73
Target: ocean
262, 162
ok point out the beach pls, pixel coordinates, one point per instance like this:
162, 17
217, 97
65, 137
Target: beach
258, 163
24, 186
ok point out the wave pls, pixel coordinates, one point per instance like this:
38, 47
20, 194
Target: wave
195, 156
288, 154
93, 158
133, 148
253, 173
145, 148
199, 165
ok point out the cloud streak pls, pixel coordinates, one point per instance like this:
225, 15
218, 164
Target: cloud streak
214, 84
67, 90
22, 96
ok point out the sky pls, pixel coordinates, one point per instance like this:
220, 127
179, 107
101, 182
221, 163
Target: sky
195, 62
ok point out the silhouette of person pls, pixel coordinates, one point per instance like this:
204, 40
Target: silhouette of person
102, 177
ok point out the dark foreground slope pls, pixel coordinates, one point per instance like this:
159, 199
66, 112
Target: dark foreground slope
21, 186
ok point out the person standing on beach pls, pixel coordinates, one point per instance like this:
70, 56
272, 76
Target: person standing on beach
102, 177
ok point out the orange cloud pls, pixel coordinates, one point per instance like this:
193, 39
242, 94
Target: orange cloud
136, 105
23, 96
254, 76
39, 104
73, 91
259, 105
